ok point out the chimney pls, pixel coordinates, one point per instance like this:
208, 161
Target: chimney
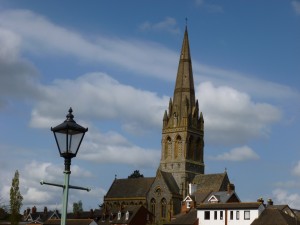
230, 188
260, 200
270, 201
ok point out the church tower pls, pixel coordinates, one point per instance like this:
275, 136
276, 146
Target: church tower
183, 127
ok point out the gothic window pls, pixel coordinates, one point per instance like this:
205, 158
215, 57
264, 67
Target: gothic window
168, 147
163, 208
153, 202
178, 147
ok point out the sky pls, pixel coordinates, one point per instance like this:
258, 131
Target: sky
115, 63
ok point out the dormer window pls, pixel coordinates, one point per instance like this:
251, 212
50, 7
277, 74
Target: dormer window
127, 215
119, 215
188, 204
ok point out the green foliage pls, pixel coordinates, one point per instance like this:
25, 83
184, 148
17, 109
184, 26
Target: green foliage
136, 174
15, 200
77, 207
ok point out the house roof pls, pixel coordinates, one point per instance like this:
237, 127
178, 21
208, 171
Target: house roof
70, 222
186, 219
233, 205
131, 187
222, 196
211, 182
274, 216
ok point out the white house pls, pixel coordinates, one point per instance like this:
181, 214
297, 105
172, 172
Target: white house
236, 213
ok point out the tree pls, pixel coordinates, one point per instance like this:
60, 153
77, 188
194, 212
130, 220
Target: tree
15, 200
136, 174
77, 207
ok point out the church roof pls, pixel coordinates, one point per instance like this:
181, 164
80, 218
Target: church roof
170, 181
211, 182
131, 187
274, 216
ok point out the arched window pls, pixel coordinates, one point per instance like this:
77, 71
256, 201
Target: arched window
178, 147
163, 208
168, 147
153, 203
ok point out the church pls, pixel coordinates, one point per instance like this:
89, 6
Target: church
181, 170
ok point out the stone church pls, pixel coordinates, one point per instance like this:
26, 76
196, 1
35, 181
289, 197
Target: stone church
182, 156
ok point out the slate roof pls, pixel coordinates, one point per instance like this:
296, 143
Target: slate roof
170, 181
211, 182
274, 216
200, 196
222, 196
189, 218
131, 187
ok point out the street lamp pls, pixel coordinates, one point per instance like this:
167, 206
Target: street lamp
68, 136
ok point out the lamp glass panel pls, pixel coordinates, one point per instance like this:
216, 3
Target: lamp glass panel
74, 142
61, 142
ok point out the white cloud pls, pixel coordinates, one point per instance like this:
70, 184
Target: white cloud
296, 6
237, 154
169, 24
115, 101
231, 117
111, 147
141, 57
284, 197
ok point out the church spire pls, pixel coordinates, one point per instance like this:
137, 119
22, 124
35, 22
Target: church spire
184, 87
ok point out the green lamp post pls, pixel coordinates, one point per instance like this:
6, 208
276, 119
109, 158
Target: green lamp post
68, 136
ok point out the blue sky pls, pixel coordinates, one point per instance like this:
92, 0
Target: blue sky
115, 63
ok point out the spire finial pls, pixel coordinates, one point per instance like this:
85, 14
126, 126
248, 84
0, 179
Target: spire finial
186, 20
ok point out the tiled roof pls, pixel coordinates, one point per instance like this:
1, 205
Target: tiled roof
211, 182
131, 187
70, 222
186, 219
274, 216
234, 205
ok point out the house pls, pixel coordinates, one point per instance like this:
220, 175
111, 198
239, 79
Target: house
127, 215
71, 222
275, 216
33, 216
242, 213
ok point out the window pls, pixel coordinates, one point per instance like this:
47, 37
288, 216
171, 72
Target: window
216, 215
221, 215
119, 215
153, 202
247, 215
127, 215
207, 215
237, 215
188, 204
231, 215
163, 208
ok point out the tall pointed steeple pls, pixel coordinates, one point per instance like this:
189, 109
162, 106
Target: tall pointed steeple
184, 87
183, 126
